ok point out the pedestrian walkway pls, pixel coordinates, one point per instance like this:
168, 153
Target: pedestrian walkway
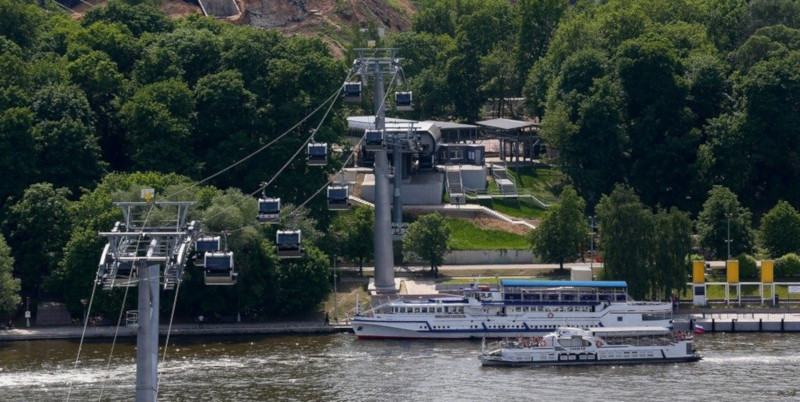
75, 332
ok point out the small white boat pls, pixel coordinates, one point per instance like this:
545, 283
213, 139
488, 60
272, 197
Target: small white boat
569, 346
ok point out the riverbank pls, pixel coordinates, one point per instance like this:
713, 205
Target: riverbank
108, 332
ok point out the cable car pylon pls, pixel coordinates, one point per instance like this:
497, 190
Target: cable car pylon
133, 256
368, 66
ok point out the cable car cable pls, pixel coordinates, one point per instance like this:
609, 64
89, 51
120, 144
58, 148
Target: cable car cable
83, 336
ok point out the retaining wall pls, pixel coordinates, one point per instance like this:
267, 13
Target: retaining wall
474, 257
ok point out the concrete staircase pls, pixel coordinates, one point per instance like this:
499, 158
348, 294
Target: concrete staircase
455, 186
504, 182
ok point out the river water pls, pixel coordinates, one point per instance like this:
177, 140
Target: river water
736, 367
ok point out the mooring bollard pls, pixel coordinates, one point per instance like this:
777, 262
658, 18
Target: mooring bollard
760, 324
713, 325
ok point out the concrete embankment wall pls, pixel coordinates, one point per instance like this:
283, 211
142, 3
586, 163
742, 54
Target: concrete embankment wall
475, 257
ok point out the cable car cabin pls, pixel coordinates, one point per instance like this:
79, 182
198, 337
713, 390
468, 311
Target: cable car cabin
269, 210
203, 245
219, 268
351, 91
373, 140
338, 198
402, 101
317, 154
288, 244
124, 274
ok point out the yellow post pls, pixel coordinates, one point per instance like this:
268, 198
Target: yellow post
767, 269
698, 272
733, 271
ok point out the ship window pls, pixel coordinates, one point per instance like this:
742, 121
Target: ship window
416, 309
619, 318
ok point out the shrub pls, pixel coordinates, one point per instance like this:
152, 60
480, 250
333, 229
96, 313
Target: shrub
747, 266
788, 265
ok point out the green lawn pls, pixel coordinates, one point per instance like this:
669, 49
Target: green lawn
517, 209
464, 235
542, 181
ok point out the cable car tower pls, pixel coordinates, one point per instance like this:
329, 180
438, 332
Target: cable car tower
376, 64
148, 238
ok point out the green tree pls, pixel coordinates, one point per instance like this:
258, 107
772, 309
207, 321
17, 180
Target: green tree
38, 227
225, 114
58, 101
156, 63
626, 238
352, 235
158, 120
199, 51
302, 284
139, 19
562, 234
54, 140
16, 147
19, 21
663, 143
721, 211
538, 20
779, 232
673, 244
111, 38
9, 286
427, 238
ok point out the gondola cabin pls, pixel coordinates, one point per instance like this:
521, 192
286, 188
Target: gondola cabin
269, 210
351, 91
402, 101
373, 140
338, 198
219, 268
124, 273
203, 245
317, 154
288, 244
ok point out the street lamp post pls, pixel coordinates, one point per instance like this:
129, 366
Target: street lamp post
335, 313
83, 302
591, 244
728, 215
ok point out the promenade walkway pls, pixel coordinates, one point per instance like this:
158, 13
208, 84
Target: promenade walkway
74, 332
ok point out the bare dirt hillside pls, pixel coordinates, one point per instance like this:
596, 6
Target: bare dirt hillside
331, 20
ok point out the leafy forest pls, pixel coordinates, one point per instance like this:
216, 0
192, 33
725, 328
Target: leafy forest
685, 110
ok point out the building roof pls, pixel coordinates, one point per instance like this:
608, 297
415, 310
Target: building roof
368, 122
557, 284
507, 124
446, 125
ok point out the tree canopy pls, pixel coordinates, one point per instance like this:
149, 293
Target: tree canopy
562, 235
428, 238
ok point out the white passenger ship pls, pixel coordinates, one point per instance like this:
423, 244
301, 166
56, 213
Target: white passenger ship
515, 308
577, 347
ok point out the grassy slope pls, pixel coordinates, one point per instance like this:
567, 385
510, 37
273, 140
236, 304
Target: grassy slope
464, 235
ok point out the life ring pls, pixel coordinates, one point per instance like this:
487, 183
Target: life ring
549, 315
598, 343
542, 343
